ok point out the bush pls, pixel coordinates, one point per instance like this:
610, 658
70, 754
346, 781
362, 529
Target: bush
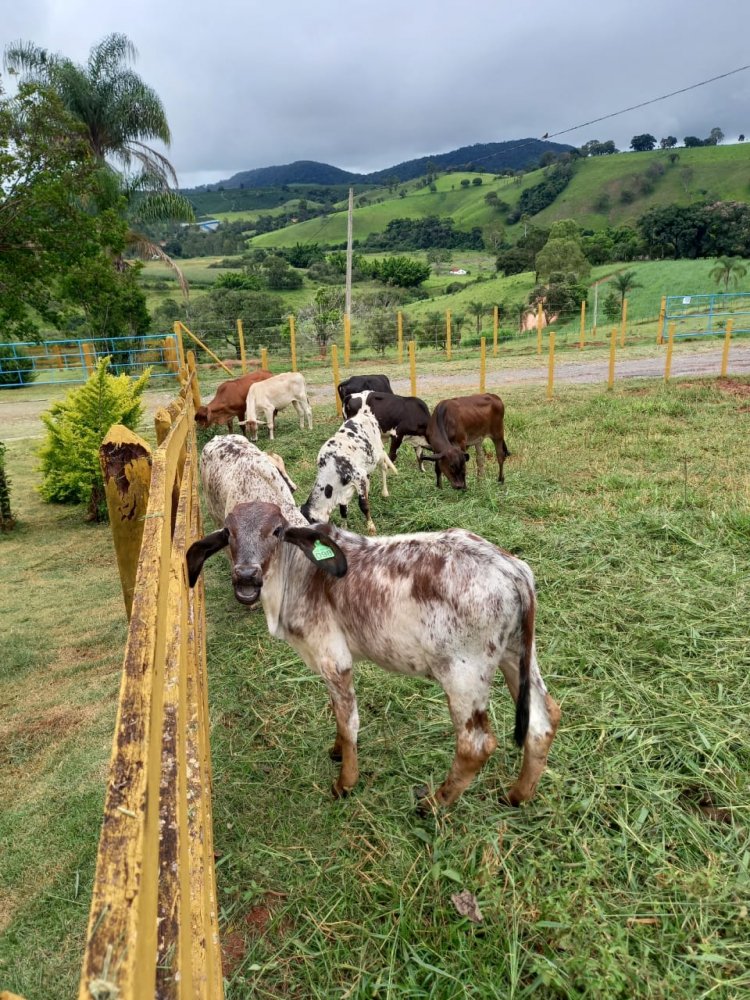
76, 427
15, 371
6, 514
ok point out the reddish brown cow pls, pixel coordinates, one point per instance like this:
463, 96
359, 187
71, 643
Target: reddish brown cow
229, 401
456, 424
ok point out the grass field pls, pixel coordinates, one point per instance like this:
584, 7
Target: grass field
629, 874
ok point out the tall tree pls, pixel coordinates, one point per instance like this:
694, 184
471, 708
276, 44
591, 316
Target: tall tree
728, 269
642, 143
477, 310
623, 283
121, 116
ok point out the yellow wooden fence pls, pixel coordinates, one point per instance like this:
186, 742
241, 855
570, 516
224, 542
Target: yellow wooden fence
153, 925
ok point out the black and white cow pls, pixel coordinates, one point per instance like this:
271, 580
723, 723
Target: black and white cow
400, 417
360, 383
345, 463
448, 606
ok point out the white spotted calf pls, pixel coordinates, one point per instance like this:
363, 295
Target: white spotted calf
345, 463
448, 606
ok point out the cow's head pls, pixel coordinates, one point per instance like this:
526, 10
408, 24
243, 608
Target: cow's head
334, 485
354, 403
201, 416
253, 532
451, 463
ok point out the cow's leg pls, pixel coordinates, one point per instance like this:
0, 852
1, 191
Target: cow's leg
386, 464
501, 453
308, 412
479, 450
475, 740
344, 512
418, 456
300, 413
544, 718
230, 426
339, 681
270, 413
363, 499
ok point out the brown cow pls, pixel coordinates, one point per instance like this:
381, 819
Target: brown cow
229, 401
457, 423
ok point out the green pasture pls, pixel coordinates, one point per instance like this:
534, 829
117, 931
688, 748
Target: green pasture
628, 876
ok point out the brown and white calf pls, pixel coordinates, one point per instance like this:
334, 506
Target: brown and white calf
456, 424
345, 463
273, 395
234, 471
229, 401
448, 606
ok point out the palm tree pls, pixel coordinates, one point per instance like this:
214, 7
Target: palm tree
728, 269
121, 115
625, 282
477, 310
520, 310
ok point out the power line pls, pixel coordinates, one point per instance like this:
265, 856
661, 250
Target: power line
643, 104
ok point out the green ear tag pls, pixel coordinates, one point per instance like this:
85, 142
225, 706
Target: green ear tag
321, 551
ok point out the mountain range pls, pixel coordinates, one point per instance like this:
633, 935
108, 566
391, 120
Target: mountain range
488, 157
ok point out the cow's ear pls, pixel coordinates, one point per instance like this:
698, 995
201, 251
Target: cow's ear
200, 551
319, 548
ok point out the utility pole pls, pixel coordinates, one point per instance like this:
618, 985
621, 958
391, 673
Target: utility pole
349, 227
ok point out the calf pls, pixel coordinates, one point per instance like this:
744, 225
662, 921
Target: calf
360, 383
229, 402
457, 423
399, 416
448, 606
345, 463
275, 394
234, 471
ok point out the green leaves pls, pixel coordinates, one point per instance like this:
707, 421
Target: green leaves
76, 427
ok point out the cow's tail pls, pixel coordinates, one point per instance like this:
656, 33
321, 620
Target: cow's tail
528, 614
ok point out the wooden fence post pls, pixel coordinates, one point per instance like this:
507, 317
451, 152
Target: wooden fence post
400, 337
725, 352
551, 368
539, 311
482, 365
293, 343
347, 338
623, 321
662, 311
125, 460
241, 339
670, 348
447, 334
612, 350
583, 325
336, 378
413, 367
193, 373
264, 358
495, 325
170, 355
177, 327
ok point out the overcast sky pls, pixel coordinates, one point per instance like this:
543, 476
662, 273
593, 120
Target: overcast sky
366, 85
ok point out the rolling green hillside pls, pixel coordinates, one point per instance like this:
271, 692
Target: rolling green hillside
594, 197
719, 173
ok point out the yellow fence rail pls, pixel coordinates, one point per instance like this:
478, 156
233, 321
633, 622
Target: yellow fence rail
153, 924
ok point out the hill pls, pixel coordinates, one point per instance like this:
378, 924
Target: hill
515, 154
606, 190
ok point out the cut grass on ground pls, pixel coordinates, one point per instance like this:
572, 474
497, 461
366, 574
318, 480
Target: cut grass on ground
629, 874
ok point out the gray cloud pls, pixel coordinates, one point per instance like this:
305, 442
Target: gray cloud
367, 85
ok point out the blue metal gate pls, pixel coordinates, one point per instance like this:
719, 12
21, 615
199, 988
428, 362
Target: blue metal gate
73, 360
707, 315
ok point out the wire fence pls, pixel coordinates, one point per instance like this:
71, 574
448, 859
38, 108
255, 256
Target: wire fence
708, 315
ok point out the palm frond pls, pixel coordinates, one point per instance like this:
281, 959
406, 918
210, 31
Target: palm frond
28, 59
146, 249
163, 206
108, 57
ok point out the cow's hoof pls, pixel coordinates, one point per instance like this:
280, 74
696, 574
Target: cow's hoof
371, 529
424, 803
339, 792
511, 798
